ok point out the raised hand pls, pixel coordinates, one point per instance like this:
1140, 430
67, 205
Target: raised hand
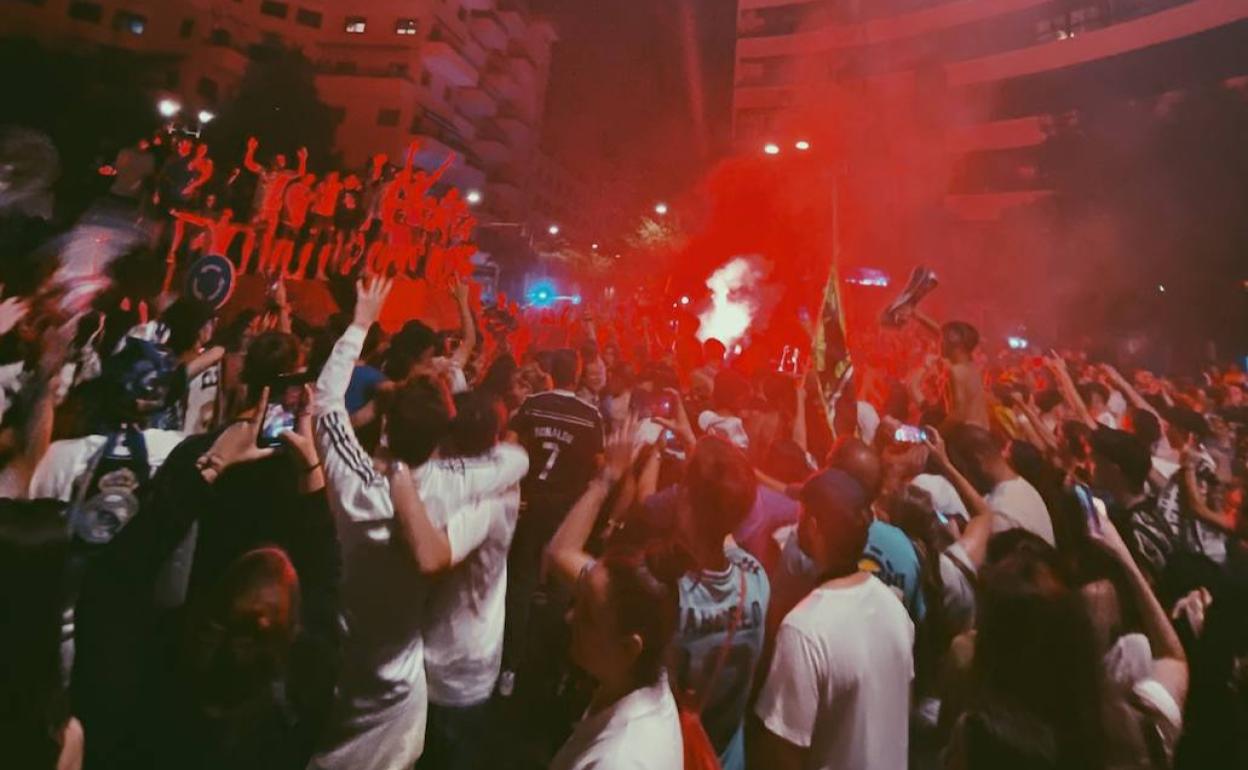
237, 444
459, 288
620, 449
12, 311
936, 443
300, 439
370, 298
252, 143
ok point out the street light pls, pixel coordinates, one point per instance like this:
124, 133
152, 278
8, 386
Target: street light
473, 197
206, 116
802, 145
553, 229
593, 246
771, 148
168, 108
660, 209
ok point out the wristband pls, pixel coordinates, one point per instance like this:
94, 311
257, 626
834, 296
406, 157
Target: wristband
313, 468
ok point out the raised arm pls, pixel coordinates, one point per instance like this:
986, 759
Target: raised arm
303, 161
442, 169
1169, 660
1128, 390
249, 160
975, 539
1069, 392
565, 556
459, 290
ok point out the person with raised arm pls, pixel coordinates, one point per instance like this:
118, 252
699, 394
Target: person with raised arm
378, 721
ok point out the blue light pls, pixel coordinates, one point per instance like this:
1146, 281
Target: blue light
576, 299
541, 294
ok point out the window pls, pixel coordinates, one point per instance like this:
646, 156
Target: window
463, 15
398, 68
355, 25
275, 9
406, 27
186, 29
219, 36
208, 89
84, 11
308, 18
388, 117
345, 67
124, 21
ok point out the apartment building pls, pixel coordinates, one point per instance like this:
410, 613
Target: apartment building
1010, 65
462, 76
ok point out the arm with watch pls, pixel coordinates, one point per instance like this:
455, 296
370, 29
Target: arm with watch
565, 556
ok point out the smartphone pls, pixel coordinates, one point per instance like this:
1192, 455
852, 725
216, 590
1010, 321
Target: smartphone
910, 434
1090, 512
287, 400
663, 405
277, 420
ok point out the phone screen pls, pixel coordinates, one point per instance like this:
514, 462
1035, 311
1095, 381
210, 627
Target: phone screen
910, 434
277, 421
1088, 505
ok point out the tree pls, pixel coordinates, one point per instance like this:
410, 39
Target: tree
277, 103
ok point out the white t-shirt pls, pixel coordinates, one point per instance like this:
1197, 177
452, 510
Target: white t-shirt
65, 461
868, 421
729, 428
201, 401
465, 614
1017, 504
640, 731
839, 683
945, 497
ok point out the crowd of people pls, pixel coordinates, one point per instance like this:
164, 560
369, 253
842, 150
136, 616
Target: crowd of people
275, 217
576, 541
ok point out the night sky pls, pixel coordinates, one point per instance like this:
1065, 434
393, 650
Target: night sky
619, 100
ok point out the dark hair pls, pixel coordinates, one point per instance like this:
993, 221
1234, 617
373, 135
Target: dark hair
970, 446
714, 349
418, 419
1145, 426
1048, 400
34, 549
642, 590
231, 656
269, 356
1035, 652
565, 368
720, 484
474, 429
959, 335
786, 461
185, 318
997, 736
732, 391
411, 344
1089, 389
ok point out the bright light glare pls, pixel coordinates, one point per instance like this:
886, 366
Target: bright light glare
1161, 288
473, 197
802, 145
553, 229
168, 108
771, 148
684, 300
593, 246
660, 208
732, 308
205, 116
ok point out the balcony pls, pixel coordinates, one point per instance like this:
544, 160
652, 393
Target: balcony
475, 102
489, 31
442, 58
522, 65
